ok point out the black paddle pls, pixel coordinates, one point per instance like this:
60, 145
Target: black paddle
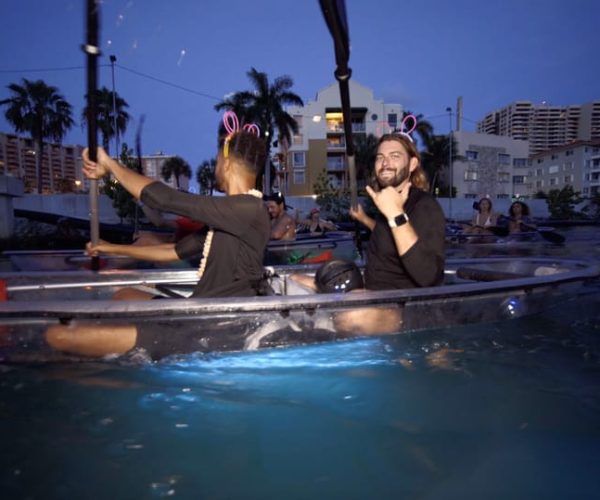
92, 51
548, 234
334, 12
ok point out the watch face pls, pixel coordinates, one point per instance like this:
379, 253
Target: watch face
401, 219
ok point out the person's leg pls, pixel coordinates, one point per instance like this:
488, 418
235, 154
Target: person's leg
92, 340
132, 294
369, 321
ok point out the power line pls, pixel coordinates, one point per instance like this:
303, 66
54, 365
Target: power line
164, 82
138, 73
41, 70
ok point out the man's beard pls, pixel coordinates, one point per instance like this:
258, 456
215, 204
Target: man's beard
394, 181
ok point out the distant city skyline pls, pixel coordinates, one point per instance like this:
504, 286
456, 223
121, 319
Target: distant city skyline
174, 64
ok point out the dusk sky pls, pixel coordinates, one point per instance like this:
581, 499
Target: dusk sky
421, 54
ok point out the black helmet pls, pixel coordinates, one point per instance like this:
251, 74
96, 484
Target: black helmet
338, 276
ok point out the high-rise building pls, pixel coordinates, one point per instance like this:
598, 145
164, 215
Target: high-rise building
543, 125
17, 158
320, 144
59, 164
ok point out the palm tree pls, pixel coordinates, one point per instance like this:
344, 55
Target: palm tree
264, 106
435, 157
175, 166
365, 148
205, 176
39, 110
106, 115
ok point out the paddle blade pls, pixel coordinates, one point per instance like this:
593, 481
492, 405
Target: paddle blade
552, 236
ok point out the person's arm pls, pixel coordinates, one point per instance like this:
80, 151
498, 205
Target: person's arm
128, 178
390, 202
360, 215
156, 253
325, 224
282, 228
157, 219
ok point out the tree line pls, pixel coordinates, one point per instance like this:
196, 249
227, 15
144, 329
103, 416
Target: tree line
39, 110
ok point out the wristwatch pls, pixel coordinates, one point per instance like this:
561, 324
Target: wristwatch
399, 220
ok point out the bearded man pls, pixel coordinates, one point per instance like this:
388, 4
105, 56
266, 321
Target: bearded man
406, 247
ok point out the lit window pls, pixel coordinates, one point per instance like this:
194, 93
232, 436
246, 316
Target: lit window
298, 159
299, 176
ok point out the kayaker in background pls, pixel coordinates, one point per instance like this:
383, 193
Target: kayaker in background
314, 224
232, 248
283, 226
519, 219
483, 218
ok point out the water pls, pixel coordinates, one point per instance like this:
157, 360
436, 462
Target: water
496, 411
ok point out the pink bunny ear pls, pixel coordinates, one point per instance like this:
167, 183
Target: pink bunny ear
414, 124
403, 128
252, 128
231, 122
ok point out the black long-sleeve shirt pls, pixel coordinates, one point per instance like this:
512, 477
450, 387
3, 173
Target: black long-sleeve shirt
241, 232
423, 264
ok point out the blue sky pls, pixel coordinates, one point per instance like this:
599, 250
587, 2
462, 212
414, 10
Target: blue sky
422, 54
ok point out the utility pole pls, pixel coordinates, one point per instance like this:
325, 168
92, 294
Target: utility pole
450, 166
113, 60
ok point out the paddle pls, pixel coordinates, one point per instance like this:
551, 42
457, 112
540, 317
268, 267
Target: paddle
546, 233
92, 51
334, 12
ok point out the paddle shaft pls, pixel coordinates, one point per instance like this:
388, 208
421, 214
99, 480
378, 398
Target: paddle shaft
92, 50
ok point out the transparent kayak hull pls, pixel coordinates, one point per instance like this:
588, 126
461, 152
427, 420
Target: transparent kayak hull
475, 291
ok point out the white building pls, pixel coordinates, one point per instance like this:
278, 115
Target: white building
493, 166
576, 164
320, 142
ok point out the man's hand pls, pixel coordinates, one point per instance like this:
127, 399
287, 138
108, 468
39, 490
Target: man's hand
358, 213
390, 201
94, 250
98, 169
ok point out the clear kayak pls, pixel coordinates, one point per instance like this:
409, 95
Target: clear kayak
475, 291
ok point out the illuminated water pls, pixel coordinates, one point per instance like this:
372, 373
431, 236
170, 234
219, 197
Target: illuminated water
508, 410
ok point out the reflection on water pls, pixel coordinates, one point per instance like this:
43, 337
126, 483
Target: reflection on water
508, 410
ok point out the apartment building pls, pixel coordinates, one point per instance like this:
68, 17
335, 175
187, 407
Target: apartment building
320, 144
576, 164
543, 125
489, 165
60, 164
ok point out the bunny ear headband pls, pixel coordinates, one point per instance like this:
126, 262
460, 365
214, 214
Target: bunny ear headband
404, 129
232, 126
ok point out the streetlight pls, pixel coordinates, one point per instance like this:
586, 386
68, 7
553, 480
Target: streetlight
451, 181
113, 60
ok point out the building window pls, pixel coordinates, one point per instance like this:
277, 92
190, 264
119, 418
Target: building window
568, 179
298, 159
518, 179
539, 172
502, 196
298, 139
539, 184
470, 175
503, 159
553, 181
299, 176
568, 165
569, 152
472, 155
392, 120
504, 177
520, 162
553, 169
470, 195
554, 157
